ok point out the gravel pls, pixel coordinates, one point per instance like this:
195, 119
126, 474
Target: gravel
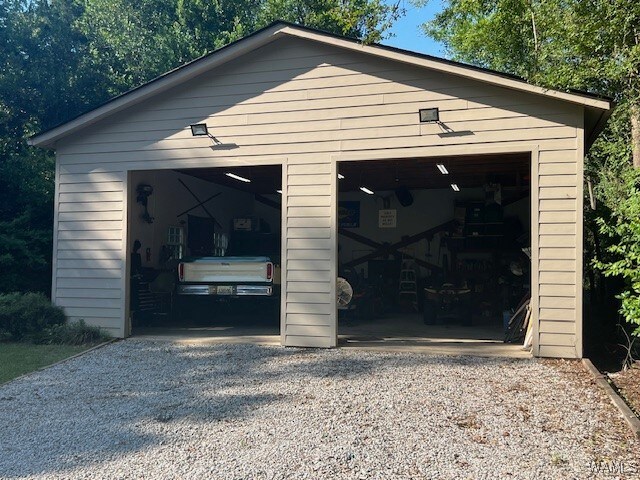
143, 409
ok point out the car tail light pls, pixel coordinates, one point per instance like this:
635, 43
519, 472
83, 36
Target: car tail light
181, 271
269, 271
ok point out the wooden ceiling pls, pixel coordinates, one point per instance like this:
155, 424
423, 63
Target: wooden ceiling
470, 171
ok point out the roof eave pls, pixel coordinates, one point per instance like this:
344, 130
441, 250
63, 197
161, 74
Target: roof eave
592, 135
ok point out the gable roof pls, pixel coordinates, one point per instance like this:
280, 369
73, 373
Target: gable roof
597, 108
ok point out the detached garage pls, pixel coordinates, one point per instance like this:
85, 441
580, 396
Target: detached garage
412, 174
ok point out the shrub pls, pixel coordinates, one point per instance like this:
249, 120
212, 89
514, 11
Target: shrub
23, 315
623, 227
75, 333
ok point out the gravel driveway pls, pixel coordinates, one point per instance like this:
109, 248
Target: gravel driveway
143, 409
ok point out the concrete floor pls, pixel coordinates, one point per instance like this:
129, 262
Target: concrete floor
408, 333
394, 333
268, 335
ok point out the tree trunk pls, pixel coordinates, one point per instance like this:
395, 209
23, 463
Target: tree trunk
635, 134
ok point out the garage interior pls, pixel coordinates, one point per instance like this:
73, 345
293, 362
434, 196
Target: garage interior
203, 212
436, 250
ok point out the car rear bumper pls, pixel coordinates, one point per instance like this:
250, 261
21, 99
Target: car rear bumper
226, 290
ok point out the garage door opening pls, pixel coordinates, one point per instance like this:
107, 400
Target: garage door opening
435, 249
205, 248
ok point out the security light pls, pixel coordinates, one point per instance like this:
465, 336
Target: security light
429, 115
199, 130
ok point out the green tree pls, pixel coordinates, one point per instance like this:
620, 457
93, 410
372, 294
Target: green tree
572, 44
40, 57
367, 20
131, 41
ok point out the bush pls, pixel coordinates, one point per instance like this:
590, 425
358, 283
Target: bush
76, 333
623, 227
23, 315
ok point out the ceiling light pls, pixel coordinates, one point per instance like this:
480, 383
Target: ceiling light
279, 191
366, 190
199, 130
237, 177
429, 115
455, 187
340, 176
443, 169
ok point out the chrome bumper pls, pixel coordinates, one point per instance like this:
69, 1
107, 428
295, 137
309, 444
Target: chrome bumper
226, 290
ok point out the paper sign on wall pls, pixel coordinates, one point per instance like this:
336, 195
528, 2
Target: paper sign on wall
349, 214
387, 218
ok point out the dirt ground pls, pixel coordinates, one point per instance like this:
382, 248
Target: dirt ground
628, 383
577, 373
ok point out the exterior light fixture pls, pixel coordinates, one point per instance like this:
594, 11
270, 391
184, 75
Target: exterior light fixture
455, 187
199, 130
366, 190
237, 177
340, 176
429, 115
442, 168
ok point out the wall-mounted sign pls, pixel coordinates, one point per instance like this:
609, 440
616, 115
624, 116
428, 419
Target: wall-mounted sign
349, 214
387, 218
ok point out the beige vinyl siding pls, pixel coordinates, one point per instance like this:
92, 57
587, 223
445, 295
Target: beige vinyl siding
304, 104
560, 256
88, 271
309, 104
309, 306
558, 351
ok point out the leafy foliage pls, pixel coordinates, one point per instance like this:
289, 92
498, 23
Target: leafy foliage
32, 317
40, 57
135, 40
580, 44
24, 257
572, 44
24, 315
75, 333
623, 225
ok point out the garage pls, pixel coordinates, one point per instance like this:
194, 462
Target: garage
194, 218
336, 116
436, 247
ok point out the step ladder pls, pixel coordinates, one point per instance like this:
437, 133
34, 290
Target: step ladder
408, 285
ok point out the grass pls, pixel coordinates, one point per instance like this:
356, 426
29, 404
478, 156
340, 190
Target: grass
19, 358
